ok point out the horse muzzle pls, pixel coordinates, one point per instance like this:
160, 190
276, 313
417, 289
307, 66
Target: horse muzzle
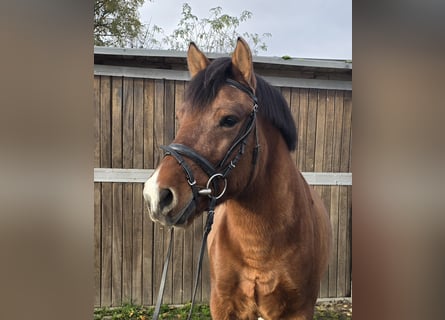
162, 204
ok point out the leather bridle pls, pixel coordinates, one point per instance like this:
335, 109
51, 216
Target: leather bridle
212, 189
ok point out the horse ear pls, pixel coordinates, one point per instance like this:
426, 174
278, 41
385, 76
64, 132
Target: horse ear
196, 60
242, 60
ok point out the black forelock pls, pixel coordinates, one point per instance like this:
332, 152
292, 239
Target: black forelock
205, 85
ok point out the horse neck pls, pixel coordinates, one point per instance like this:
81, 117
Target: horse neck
276, 195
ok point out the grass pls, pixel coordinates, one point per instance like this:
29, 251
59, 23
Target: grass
340, 310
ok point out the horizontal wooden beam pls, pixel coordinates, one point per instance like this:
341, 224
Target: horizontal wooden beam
150, 73
141, 175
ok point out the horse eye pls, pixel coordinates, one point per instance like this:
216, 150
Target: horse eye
228, 121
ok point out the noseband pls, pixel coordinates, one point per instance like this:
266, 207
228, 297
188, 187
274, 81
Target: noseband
212, 190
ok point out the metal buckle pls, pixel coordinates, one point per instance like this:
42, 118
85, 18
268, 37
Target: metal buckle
208, 191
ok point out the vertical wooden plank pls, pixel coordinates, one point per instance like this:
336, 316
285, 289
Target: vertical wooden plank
198, 226
127, 188
302, 128
116, 114
346, 133
138, 120
97, 195
177, 267
333, 267
116, 161
325, 194
320, 132
105, 122
116, 256
127, 123
147, 259
348, 245
148, 226
338, 124
188, 263
169, 113
107, 238
295, 110
106, 205
158, 259
205, 276
97, 111
148, 124
97, 243
329, 131
310, 131
327, 167
342, 257
159, 123
138, 159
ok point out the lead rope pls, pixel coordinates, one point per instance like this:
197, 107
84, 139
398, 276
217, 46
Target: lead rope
207, 229
164, 277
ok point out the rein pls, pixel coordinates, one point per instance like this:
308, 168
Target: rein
223, 169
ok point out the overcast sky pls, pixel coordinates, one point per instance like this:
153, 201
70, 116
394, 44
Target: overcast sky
302, 29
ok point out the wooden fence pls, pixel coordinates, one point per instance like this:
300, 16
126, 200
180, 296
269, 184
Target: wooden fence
134, 115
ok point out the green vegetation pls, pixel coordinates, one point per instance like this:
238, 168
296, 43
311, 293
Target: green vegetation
341, 310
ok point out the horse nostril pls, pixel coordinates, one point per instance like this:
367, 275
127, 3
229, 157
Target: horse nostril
165, 198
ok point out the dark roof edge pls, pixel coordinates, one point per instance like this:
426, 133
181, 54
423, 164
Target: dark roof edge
303, 62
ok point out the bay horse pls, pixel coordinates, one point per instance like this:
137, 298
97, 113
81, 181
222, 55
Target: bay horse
271, 237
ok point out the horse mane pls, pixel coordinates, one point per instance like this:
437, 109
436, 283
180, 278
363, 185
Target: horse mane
205, 85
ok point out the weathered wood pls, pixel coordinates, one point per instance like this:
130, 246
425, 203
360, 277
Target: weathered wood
329, 132
97, 194
107, 239
149, 135
97, 243
159, 124
188, 263
320, 131
105, 122
169, 112
127, 124
342, 259
127, 189
198, 226
138, 162
348, 270
346, 133
333, 266
97, 129
116, 118
137, 240
177, 266
311, 130
127, 241
147, 259
116, 258
338, 124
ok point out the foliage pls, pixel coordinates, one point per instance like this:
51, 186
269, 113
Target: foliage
216, 33
340, 310
116, 22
